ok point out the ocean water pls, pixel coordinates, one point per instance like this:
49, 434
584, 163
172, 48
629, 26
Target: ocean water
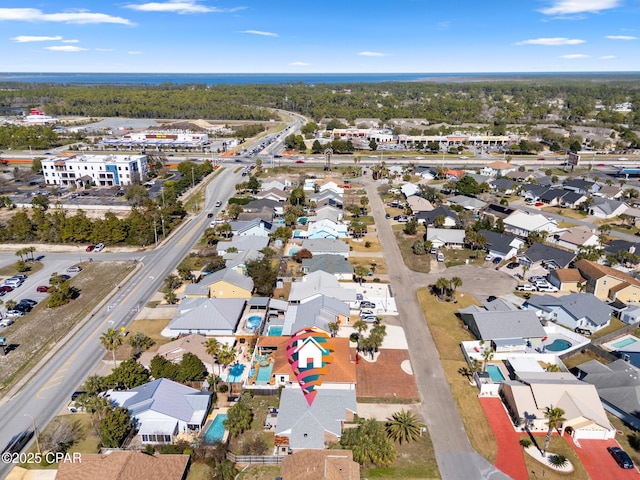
279, 78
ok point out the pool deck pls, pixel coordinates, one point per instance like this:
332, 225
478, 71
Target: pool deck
631, 347
211, 417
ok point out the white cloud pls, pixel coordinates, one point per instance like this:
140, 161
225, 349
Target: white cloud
65, 48
260, 32
300, 64
134, 52
621, 37
33, 38
571, 7
607, 57
372, 54
74, 16
72, 40
551, 41
179, 6
572, 56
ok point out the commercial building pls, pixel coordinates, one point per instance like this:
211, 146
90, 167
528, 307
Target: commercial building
98, 170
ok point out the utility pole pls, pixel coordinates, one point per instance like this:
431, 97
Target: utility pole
193, 178
35, 431
155, 231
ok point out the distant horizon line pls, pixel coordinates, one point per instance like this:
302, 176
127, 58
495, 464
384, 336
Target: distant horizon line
330, 73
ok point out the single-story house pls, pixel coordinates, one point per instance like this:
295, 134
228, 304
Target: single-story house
468, 203
312, 464
606, 208
226, 283
410, 189
419, 204
607, 283
491, 325
444, 237
566, 279
163, 409
327, 197
317, 283
206, 316
618, 385
576, 310
255, 228
534, 392
275, 183
326, 246
273, 194
575, 237
327, 229
630, 315
501, 244
336, 265
546, 256
504, 185
317, 425
573, 200
520, 177
238, 261
522, 224
532, 193
553, 196
428, 218
609, 191
241, 244
579, 185
125, 465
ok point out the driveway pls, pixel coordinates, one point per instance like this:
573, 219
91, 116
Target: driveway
455, 456
599, 463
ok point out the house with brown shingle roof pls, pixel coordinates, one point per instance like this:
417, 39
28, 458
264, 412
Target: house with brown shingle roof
125, 465
608, 283
324, 464
567, 279
575, 237
174, 351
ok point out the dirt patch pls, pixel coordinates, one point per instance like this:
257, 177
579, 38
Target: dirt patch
385, 378
31, 336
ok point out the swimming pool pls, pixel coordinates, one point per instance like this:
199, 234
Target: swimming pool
495, 374
253, 322
215, 432
624, 343
264, 374
558, 345
275, 331
235, 374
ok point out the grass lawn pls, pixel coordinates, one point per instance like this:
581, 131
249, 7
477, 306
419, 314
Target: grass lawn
151, 328
259, 406
558, 446
199, 471
455, 256
566, 212
575, 360
256, 472
414, 460
417, 263
448, 331
565, 224
374, 244
613, 326
367, 262
10, 270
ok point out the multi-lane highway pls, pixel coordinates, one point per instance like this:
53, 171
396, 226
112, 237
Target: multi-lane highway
49, 389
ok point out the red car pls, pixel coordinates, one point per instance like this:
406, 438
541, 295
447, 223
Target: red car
299, 161
6, 288
90, 248
539, 204
601, 165
42, 289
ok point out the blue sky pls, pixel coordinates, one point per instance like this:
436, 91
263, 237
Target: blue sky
347, 36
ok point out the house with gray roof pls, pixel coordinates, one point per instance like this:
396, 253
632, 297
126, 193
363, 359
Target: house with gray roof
317, 311
273, 194
314, 426
547, 256
576, 310
581, 186
242, 243
326, 246
444, 237
573, 199
505, 185
428, 217
501, 244
317, 283
256, 227
257, 205
607, 208
336, 265
206, 316
495, 211
533, 193
163, 409
238, 261
618, 385
553, 196
508, 324
327, 197
468, 203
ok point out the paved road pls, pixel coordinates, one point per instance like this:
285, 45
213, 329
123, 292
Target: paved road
55, 378
456, 457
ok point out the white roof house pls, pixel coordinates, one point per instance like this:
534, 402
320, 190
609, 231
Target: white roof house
163, 409
326, 246
444, 237
317, 283
410, 189
522, 224
207, 316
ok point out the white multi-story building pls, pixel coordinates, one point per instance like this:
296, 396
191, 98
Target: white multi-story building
100, 170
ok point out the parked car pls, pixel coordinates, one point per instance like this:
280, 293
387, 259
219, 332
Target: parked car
74, 269
512, 265
387, 216
369, 318
23, 307
536, 277
13, 313
218, 203
367, 304
20, 276
99, 247
497, 260
491, 298
42, 289
6, 288
488, 257
90, 248
6, 323
366, 311
547, 288
621, 457
28, 301
527, 287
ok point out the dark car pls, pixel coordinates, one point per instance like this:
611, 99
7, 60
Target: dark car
209, 215
23, 307
513, 265
90, 248
497, 260
28, 301
367, 304
621, 457
18, 442
6, 288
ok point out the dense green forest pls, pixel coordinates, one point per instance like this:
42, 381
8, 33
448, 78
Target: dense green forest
509, 101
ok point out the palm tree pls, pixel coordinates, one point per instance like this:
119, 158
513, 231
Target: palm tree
454, 283
360, 326
226, 355
487, 355
111, 340
334, 327
404, 427
442, 285
212, 347
554, 416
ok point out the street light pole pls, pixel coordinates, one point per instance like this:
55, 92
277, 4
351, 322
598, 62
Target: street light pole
193, 178
35, 431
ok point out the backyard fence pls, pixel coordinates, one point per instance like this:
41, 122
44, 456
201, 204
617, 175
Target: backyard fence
618, 333
254, 459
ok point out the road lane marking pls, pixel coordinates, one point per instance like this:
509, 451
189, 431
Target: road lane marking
49, 386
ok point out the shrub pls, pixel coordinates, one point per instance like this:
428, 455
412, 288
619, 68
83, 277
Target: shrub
525, 442
558, 460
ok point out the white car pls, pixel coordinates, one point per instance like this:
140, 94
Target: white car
364, 312
527, 287
547, 288
74, 269
369, 318
6, 322
13, 313
488, 257
99, 247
